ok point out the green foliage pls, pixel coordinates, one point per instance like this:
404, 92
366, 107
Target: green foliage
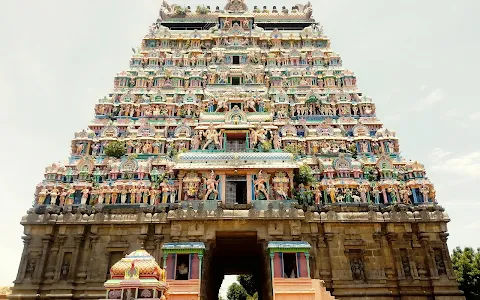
292, 148
304, 175
236, 292
202, 10
248, 283
180, 11
266, 146
115, 149
466, 264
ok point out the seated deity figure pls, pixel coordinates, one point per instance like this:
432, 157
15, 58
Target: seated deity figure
211, 135
212, 185
260, 185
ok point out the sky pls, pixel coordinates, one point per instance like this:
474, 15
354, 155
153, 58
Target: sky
418, 60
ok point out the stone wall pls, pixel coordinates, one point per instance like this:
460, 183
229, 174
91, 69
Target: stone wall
360, 252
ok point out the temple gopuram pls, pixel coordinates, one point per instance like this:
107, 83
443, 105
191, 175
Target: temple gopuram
235, 143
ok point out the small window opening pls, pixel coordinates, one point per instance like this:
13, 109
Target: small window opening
290, 265
183, 267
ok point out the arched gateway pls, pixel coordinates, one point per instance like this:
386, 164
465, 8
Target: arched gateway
237, 143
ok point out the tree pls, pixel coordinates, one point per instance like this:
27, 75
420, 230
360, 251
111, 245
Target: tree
115, 149
466, 264
248, 283
236, 292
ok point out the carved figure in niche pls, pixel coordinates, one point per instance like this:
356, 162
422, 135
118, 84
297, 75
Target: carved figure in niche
405, 195
173, 193
376, 148
318, 194
196, 141
393, 194
165, 187
63, 195
101, 195
153, 196
364, 147
211, 185
280, 185
42, 195
211, 136
70, 195
331, 190
64, 271
440, 264
222, 105
79, 148
147, 147
376, 194
114, 195
363, 193
277, 142
260, 186
357, 268
424, 190
85, 193
30, 269
258, 135
250, 104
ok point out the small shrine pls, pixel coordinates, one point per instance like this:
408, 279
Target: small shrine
137, 276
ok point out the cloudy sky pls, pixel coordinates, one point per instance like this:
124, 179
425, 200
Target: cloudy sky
417, 59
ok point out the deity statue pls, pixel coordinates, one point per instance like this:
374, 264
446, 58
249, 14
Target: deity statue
260, 185
211, 186
165, 187
405, 195
363, 193
53, 195
424, 190
331, 190
250, 104
42, 195
196, 141
211, 135
85, 193
277, 142
318, 194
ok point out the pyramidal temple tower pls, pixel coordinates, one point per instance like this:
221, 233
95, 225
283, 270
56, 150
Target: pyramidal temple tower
236, 142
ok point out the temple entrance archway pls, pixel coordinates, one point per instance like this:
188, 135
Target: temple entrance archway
236, 253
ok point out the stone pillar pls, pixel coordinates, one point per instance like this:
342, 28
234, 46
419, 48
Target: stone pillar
43, 259
24, 259
325, 246
58, 266
180, 186
82, 272
446, 257
249, 188
290, 175
223, 182
78, 239
424, 240
92, 257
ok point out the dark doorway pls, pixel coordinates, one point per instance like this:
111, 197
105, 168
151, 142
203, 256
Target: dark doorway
235, 80
236, 253
236, 190
236, 60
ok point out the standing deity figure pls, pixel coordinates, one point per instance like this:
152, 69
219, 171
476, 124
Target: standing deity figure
393, 194
331, 191
153, 197
405, 195
53, 196
348, 195
376, 194
85, 193
101, 195
211, 186
363, 193
114, 195
318, 194
108, 194
211, 135
277, 143
42, 195
196, 141
260, 185
424, 190
70, 196
251, 105
165, 190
